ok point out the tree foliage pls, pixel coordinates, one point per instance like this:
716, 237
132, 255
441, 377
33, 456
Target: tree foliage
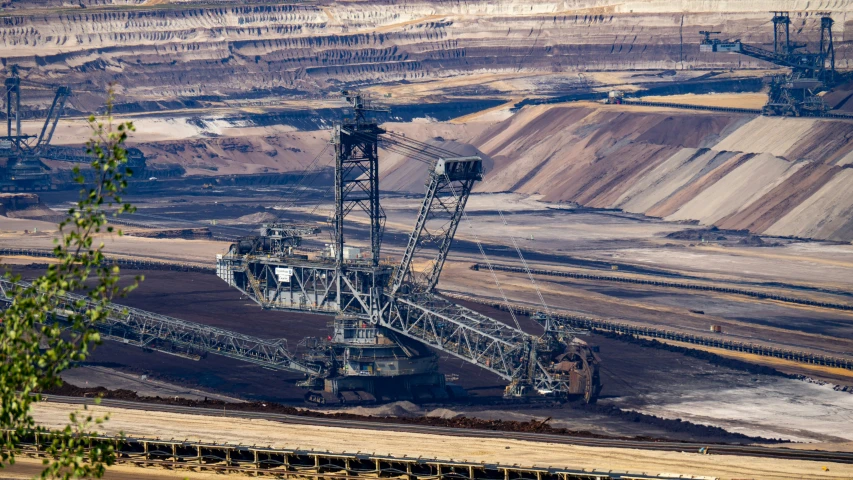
36, 344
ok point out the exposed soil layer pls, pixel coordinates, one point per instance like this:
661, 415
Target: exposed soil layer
255, 52
710, 357
777, 176
186, 233
711, 434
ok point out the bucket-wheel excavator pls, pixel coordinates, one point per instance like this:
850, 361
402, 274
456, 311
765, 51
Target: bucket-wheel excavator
797, 93
386, 314
24, 169
389, 321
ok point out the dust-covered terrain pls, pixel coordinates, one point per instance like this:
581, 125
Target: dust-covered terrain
713, 222
661, 383
187, 55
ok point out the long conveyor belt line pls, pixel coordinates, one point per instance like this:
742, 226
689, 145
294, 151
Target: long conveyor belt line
602, 325
399, 426
296, 463
123, 262
748, 111
671, 284
751, 111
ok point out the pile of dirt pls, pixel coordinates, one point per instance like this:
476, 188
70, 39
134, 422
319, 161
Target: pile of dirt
532, 426
756, 241
712, 234
770, 176
395, 409
25, 205
839, 98
199, 233
443, 413
256, 218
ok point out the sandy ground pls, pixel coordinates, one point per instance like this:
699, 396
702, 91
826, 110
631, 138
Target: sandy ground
16, 226
180, 250
828, 374
560, 236
741, 318
631, 239
262, 432
734, 100
69, 131
807, 408
94, 376
814, 264
27, 468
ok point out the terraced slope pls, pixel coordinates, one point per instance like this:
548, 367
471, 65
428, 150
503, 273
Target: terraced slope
780, 176
173, 53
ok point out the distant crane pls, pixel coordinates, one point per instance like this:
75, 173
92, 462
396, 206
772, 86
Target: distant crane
24, 169
795, 93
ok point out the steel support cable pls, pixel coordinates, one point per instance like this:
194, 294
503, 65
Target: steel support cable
323, 195
420, 154
483, 253
529, 274
429, 150
436, 150
424, 145
409, 154
308, 172
401, 148
410, 148
416, 154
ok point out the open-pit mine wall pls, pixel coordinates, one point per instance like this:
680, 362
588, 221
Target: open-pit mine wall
772, 175
173, 51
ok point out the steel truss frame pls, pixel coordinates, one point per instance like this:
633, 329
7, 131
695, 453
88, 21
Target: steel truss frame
20, 143
795, 93
13, 111
357, 182
282, 236
409, 307
174, 336
448, 188
314, 288
483, 341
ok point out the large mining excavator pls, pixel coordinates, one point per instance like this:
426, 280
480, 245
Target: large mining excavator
385, 314
24, 169
389, 321
797, 93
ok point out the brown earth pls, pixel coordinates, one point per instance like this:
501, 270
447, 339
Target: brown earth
277, 435
24, 205
184, 55
768, 175
185, 233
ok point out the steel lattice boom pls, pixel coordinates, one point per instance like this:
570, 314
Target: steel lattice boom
378, 305
448, 188
795, 93
24, 168
176, 337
